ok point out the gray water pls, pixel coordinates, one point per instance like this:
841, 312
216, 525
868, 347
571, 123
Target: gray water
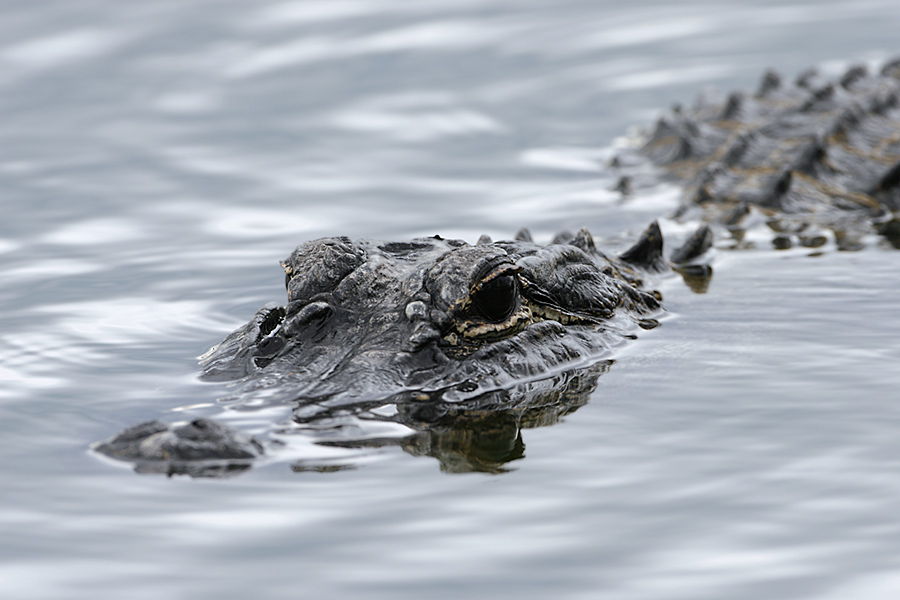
157, 160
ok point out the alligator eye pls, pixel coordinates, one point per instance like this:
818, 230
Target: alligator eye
497, 298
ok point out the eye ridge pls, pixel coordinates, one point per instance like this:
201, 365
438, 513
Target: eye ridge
497, 298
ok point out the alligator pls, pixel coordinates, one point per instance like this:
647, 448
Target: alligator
422, 325
468, 344
814, 157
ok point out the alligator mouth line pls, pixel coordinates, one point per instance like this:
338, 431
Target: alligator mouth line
487, 332
543, 312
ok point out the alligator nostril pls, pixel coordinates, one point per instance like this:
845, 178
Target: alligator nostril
270, 322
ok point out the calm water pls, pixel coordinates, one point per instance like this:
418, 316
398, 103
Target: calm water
157, 159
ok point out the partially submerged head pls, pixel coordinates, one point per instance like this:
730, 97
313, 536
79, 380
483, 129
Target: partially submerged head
369, 320
464, 345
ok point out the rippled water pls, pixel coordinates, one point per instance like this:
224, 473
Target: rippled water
157, 159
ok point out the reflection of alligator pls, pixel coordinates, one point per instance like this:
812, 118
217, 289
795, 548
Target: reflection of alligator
484, 433
468, 344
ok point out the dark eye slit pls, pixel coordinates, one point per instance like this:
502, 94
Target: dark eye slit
497, 299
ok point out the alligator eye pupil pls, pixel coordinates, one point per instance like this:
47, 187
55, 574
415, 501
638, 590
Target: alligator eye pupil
496, 299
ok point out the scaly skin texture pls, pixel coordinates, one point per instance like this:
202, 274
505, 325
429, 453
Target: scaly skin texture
470, 344
811, 156
444, 331
372, 320
200, 448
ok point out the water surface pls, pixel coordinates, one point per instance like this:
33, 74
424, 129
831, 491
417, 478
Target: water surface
158, 159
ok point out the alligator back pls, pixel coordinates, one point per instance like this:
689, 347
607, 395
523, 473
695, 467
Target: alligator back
464, 344
814, 153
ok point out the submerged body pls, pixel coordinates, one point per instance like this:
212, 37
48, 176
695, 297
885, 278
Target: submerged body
506, 333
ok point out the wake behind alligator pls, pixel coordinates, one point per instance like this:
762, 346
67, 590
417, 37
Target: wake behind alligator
465, 345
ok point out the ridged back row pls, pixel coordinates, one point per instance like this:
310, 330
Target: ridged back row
826, 148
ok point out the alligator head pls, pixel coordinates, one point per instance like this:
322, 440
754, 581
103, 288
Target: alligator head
428, 318
458, 339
